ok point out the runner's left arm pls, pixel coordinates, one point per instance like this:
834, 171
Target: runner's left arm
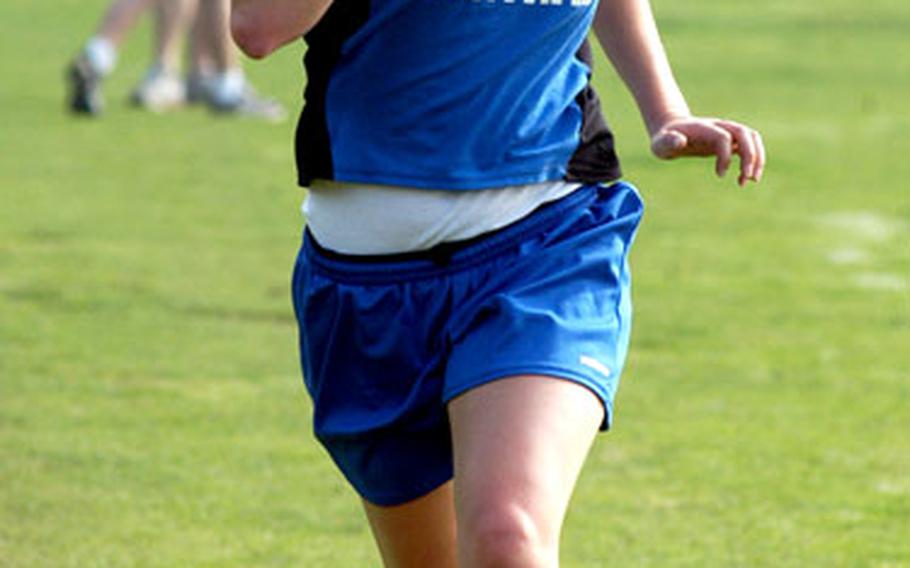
629, 36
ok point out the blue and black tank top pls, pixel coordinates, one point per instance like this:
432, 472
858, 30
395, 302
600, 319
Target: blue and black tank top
453, 94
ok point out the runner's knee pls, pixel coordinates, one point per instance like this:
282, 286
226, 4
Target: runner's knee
503, 536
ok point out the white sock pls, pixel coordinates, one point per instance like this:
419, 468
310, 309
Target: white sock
101, 55
227, 87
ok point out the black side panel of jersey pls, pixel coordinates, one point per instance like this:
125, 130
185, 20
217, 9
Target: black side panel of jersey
324, 42
595, 158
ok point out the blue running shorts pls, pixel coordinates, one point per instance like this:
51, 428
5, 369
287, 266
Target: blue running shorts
386, 341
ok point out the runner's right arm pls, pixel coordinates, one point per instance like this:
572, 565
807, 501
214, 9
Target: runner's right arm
260, 27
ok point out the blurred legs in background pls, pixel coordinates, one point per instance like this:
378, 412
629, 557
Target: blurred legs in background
162, 88
99, 55
214, 75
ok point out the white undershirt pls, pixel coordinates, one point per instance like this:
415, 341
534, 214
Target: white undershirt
380, 219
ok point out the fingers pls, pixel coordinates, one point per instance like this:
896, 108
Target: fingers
744, 144
705, 138
760, 148
712, 137
722, 143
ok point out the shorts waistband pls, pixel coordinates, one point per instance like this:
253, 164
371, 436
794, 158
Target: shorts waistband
446, 257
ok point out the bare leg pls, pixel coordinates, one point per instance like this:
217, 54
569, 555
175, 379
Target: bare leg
100, 52
120, 18
174, 18
215, 16
418, 534
163, 88
98, 57
519, 446
201, 57
201, 73
216, 54
227, 90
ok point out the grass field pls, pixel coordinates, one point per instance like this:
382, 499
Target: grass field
151, 411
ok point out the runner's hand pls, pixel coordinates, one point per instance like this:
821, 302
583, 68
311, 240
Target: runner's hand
692, 136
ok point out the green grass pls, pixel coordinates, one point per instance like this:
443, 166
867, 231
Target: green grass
151, 412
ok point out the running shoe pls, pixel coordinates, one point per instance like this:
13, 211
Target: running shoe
248, 103
159, 91
84, 87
